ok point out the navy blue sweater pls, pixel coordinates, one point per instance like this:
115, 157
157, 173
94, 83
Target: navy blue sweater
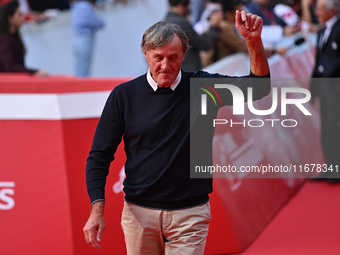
155, 128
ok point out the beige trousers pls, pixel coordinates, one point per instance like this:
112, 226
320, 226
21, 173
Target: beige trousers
165, 232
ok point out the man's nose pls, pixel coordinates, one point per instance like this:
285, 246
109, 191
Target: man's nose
165, 64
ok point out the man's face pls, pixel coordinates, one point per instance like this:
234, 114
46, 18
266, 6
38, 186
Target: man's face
322, 12
165, 62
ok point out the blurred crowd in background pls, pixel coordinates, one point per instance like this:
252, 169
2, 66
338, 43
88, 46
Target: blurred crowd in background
213, 35
41, 10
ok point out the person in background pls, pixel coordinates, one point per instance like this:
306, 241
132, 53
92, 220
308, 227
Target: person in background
287, 10
327, 65
213, 7
12, 49
85, 22
264, 9
230, 40
309, 20
203, 24
197, 8
179, 11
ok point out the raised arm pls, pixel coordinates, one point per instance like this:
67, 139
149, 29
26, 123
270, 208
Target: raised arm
250, 27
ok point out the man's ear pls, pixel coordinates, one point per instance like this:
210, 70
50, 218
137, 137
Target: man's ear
184, 55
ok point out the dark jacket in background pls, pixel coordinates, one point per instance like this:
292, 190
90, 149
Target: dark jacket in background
327, 65
267, 14
42, 5
329, 56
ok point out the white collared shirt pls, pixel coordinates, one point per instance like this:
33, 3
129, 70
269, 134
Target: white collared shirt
154, 85
329, 25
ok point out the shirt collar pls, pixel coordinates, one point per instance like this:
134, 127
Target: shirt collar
154, 85
329, 23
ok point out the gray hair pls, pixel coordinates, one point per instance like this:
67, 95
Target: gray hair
160, 34
333, 4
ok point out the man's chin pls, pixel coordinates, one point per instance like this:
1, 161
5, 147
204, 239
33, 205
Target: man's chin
166, 82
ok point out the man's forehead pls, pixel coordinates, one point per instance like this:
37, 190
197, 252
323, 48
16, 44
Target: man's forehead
174, 46
159, 53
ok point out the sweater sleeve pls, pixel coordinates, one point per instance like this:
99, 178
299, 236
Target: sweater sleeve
261, 85
107, 137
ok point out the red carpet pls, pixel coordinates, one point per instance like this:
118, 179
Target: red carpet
309, 224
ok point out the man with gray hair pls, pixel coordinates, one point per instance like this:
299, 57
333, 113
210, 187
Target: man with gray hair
165, 211
327, 65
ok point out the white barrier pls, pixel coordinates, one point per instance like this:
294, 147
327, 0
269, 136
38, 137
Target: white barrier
298, 61
117, 47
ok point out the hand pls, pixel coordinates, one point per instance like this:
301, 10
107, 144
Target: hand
290, 30
281, 51
249, 25
41, 73
95, 223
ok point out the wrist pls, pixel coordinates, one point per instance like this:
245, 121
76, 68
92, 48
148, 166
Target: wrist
305, 3
98, 207
254, 43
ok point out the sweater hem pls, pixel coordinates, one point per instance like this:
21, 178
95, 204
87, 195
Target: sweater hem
173, 205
